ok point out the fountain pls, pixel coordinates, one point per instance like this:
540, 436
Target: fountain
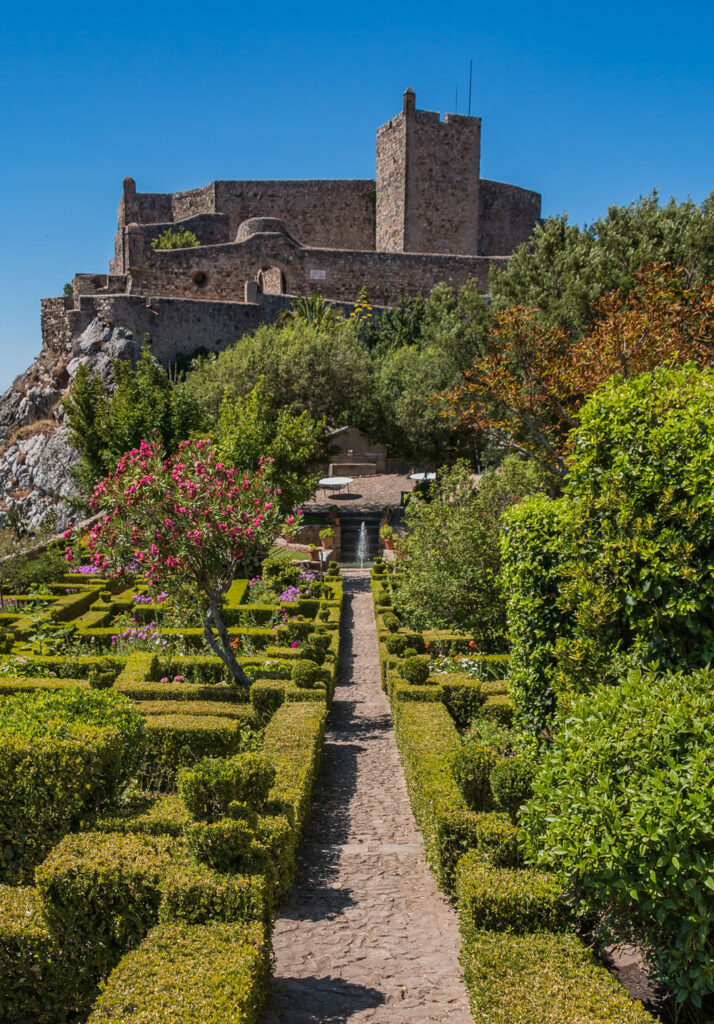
362, 548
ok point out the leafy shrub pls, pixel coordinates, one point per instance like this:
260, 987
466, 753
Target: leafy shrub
415, 670
507, 899
622, 811
266, 696
305, 673
396, 643
217, 973
63, 754
107, 421
391, 622
179, 238
178, 741
20, 573
212, 785
471, 768
449, 575
512, 783
221, 844
280, 572
532, 553
542, 979
101, 894
36, 979
313, 650
463, 700
617, 574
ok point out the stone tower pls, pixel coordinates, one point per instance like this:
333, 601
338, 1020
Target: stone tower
428, 182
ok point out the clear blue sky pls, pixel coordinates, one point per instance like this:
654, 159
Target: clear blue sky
590, 104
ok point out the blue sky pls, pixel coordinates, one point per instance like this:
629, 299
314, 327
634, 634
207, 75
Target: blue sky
588, 104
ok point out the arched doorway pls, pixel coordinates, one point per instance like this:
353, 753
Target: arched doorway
271, 281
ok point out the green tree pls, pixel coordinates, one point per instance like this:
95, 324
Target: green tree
251, 428
562, 270
324, 369
617, 573
449, 575
105, 422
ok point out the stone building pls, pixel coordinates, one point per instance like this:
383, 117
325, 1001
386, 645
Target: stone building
427, 217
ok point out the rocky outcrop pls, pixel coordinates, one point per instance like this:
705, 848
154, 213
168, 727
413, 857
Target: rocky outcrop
36, 457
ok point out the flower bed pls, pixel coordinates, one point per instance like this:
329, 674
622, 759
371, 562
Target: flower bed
174, 910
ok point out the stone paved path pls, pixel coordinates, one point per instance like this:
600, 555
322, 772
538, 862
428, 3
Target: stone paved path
366, 936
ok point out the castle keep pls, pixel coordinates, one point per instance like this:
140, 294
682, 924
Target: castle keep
428, 217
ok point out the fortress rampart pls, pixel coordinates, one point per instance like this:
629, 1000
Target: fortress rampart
427, 217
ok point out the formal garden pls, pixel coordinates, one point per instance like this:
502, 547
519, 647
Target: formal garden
541, 640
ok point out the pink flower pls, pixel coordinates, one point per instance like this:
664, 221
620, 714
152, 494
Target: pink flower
179, 679
294, 644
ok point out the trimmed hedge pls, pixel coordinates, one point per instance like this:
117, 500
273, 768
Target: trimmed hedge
428, 741
542, 979
31, 964
173, 742
63, 754
507, 899
190, 974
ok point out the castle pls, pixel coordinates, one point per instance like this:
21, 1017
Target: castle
427, 217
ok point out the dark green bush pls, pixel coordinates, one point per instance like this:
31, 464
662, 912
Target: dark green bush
624, 578
472, 767
448, 577
512, 783
36, 978
63, 754
396, 643
281, 571
305, 673
221, 844
212, 785
313, 651
214, 973
415, 671
542, 979
622, 811
20, 573
507, 899
101, 894
391, 622
462, 699
266, 696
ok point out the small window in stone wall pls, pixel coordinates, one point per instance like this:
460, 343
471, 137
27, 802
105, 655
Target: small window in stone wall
200, 279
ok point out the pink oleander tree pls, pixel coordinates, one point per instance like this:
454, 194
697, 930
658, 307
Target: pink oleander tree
188, 524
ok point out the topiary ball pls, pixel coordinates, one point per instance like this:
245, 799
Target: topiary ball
471, 768
305, 673
415, 671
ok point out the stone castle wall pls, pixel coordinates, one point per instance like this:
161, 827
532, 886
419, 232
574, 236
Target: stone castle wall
220, 272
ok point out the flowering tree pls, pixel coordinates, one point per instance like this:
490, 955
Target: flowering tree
187, 523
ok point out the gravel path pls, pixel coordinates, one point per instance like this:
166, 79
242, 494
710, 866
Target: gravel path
366, 936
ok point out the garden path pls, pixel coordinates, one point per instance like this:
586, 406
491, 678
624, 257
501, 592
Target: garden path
366, 935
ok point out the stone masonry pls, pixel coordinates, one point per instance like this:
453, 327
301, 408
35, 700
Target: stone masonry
427, 217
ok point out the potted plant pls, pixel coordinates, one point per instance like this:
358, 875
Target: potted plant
326, 536
334, 514
387, 534
312, 552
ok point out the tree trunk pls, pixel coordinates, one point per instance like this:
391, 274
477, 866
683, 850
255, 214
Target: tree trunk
224, 651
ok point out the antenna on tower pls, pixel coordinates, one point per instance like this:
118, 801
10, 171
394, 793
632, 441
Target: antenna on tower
471, 75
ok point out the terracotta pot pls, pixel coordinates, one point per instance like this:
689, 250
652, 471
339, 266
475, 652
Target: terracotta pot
327, 543
314, 555
389, 543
